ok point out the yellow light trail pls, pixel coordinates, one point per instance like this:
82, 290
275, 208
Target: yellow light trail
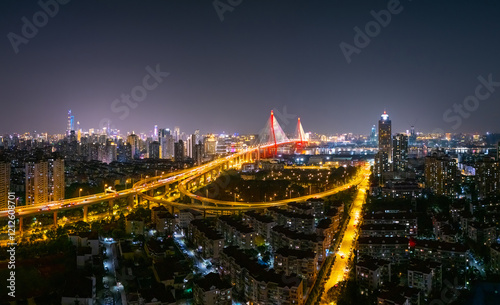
338, 272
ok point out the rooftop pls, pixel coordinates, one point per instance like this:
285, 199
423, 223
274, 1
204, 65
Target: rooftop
212, 281
300, 254
440, 245
208, 230
258, 272
383, 240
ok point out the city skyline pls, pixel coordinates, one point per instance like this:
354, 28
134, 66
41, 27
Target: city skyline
223, 73
285, 121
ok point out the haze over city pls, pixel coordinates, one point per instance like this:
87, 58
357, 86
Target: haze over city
224, 74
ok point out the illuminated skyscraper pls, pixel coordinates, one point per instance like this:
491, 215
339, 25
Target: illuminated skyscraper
383, 158
4, 184
385, 136
71, 123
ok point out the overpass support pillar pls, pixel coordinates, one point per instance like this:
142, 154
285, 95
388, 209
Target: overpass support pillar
130, 200
55, 219
139, 200
111, 203
151, 193
85, 213
192, 200
21, 224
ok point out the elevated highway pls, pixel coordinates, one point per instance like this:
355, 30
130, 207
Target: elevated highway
144, 189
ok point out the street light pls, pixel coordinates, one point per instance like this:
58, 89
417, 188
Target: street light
80, 193
105, 186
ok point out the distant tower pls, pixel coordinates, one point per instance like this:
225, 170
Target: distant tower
413, 137
383, 158
177, 133
373, 135
71, 123
385, 136
155, 133
191, 143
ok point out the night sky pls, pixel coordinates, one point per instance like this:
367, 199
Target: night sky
227, 75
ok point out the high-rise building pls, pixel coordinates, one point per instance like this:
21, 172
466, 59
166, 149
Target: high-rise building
487, 176
179, 155
4, 184
37, 182
155, 133
124, 152
198, 153
56, 179
177, 133
71, 123
133, 140
498, 151
441, 174
385, 136
189, 146
44, 181
400, 152
383, 158
107, 153
166, 141
154, 150
210, 145
191, 143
